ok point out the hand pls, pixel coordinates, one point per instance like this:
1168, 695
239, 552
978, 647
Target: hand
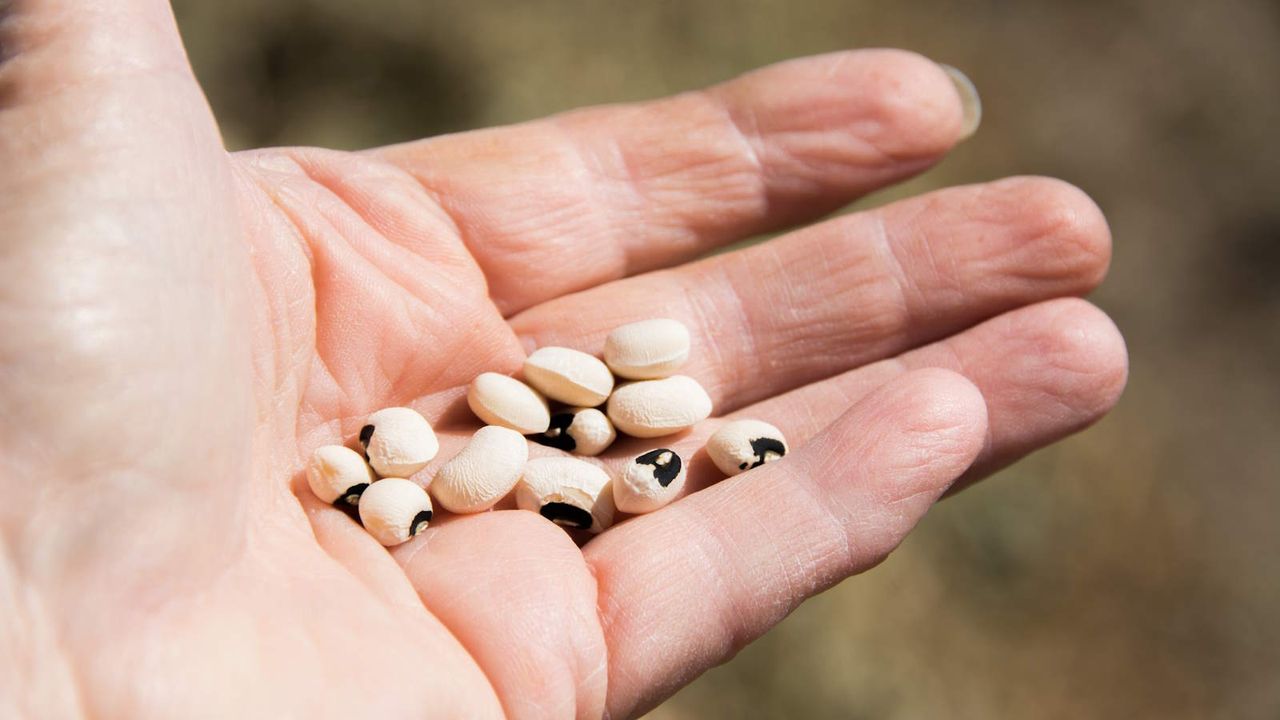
180, 327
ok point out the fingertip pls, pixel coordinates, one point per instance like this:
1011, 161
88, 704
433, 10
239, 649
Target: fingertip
917, 104
901, 105
889, 458
944, 411
1062, 214
928, 424
1085, 344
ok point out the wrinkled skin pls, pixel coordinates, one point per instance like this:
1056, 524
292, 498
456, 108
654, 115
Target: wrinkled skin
180, 327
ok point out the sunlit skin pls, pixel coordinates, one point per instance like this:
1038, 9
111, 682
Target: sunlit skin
180, 327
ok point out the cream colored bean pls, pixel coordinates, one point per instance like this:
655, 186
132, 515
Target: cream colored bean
568, 376
581, 431
394, 510
653, 408
647, 350
398, 442
741, 445
483, 473
501, 400
337, 473
649, 481
569, 492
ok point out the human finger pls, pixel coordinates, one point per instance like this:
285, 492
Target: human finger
682, 589
566, 203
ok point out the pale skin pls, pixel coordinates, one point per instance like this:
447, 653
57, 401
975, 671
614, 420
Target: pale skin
180, 327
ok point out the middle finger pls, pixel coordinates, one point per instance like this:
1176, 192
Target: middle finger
853, 289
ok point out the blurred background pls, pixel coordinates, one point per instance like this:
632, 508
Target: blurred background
1132, 571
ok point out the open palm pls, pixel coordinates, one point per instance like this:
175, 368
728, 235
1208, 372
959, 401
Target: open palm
181, 327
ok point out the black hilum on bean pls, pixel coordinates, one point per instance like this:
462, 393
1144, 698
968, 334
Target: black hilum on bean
557, 434
761, 447
419, 522
353, 493
366, 434
664, 473
566, 515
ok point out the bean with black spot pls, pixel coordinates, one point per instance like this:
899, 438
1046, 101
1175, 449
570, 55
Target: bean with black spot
649, 481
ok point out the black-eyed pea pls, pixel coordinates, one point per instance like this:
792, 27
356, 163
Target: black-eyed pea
338, 474
568, 376
740, 445
501, 400
648, 349
398, 442
569, 492
394, 510
582, 431
653, 408
649, 481
483, 473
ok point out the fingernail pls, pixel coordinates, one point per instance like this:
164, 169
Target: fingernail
969, 100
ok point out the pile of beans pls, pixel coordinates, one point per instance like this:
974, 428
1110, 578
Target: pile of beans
558, 404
